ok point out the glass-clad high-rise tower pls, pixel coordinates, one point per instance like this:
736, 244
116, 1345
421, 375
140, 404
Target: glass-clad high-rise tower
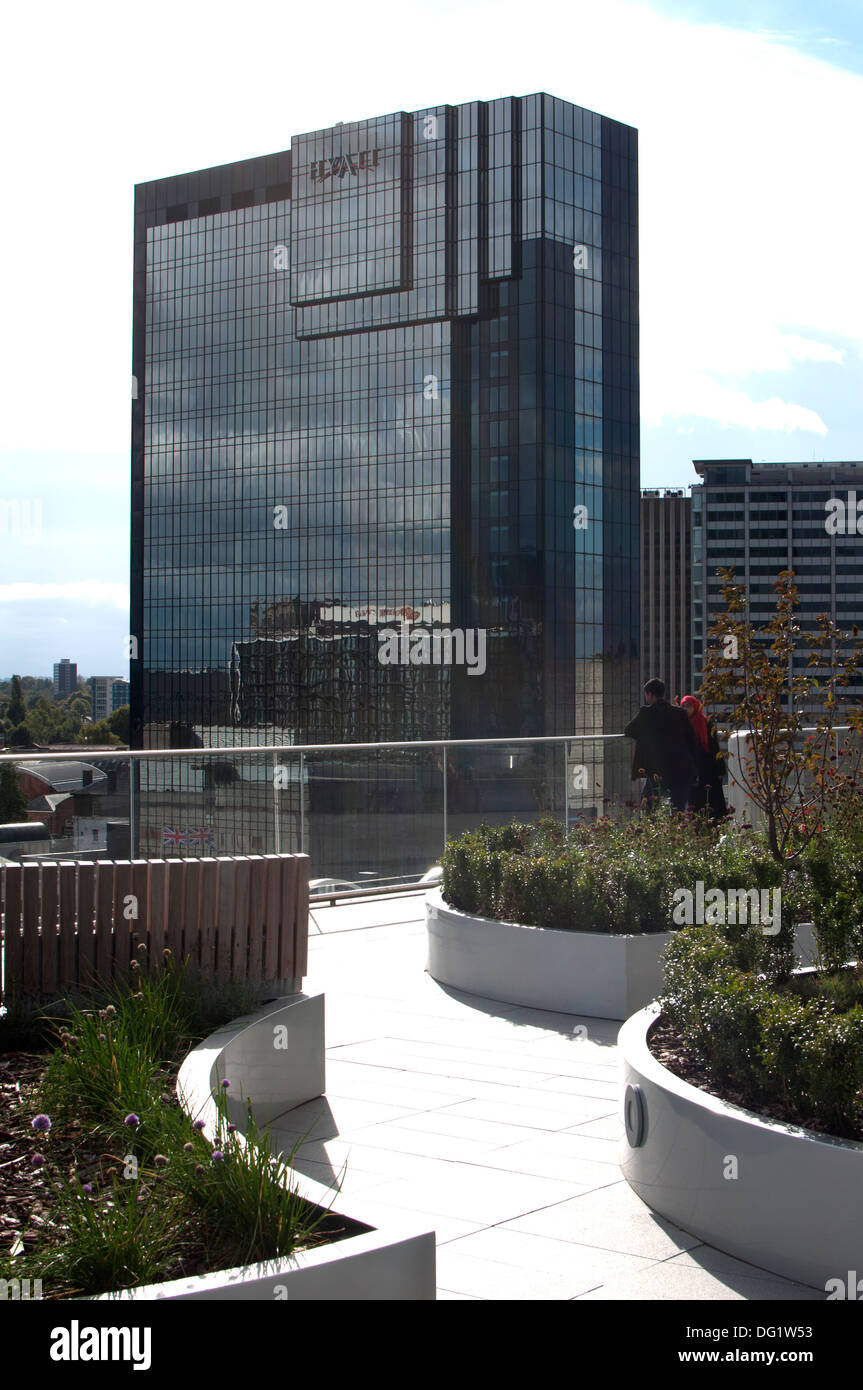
385, 435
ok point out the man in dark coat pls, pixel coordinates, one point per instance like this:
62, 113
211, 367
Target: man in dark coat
666, 751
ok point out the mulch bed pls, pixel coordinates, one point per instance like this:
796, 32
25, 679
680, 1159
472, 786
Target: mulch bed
666, 1045
24, 1196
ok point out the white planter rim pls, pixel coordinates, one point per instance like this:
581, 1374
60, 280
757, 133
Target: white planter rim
437, 899
410, 1241
633, 1043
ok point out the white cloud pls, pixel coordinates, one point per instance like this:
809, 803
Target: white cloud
807, 350
91, 591
750, 205
700, 395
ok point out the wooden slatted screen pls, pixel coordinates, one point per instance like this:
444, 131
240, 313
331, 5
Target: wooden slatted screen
66, 926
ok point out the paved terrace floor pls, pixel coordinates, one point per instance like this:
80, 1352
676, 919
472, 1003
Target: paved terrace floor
495, 1125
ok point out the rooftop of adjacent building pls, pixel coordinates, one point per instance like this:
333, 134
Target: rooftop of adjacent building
747, 471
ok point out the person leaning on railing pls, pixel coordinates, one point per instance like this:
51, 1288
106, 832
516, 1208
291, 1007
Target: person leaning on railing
666, 750
711, 765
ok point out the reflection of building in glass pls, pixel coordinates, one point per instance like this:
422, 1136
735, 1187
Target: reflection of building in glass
393, 368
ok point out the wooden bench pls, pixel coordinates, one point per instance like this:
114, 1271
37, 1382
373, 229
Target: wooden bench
238, 917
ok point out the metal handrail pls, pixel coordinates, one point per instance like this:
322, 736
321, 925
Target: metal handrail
339, 895
141, 754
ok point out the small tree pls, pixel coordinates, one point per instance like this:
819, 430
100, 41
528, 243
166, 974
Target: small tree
98, 733
749, 682
118, 722
13, 802
16, 711
19, 737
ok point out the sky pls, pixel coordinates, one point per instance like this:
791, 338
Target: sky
751, 208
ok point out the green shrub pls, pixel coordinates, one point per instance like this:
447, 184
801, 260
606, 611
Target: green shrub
765, 1038
834, 861
612, 876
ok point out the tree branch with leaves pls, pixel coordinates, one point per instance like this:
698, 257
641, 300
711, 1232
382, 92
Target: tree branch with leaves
794, 769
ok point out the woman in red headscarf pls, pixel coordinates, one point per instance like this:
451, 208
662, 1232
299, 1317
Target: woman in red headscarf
708, 794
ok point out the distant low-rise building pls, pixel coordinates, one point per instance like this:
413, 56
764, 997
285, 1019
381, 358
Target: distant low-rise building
77, 802
55, 810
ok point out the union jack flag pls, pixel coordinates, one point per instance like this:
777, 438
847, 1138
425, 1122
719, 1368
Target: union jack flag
172, 837
201, 836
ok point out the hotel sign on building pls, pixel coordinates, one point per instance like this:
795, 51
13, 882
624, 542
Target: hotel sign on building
337, 166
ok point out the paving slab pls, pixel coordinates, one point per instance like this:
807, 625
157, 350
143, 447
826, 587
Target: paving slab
496, 1125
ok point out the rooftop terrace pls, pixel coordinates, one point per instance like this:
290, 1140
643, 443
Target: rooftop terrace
495, 1124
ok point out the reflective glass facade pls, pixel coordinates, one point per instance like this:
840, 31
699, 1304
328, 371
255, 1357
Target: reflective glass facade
385, 436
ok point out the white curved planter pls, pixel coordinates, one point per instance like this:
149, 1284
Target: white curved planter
793, 1206
275, 1059
573, 972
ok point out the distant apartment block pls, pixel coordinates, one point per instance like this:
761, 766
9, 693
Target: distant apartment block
762, 518
65, 678
109, 693
666, 588
119, 694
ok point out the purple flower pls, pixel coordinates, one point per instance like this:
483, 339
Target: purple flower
102, 1037
42, 1124
199, 1124
199, 1168
88, 1188
36, 1160
225, 1085
132, 1121
232, 1129
218, 1156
